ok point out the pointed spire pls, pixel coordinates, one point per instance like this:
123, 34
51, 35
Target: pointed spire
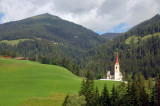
117, 59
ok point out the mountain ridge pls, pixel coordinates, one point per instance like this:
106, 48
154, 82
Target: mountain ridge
140, 54
75, 39
110, 36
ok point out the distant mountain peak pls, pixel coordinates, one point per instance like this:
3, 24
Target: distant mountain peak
110, 36
157, 16
45, 15
153, 21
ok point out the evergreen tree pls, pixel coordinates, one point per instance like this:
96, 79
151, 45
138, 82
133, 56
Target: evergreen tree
105, 99
88, 90
158, 90
150, 84
152, 99
83, 88
97, 102
65, 100
114, 97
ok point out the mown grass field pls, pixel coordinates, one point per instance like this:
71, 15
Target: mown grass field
30, 83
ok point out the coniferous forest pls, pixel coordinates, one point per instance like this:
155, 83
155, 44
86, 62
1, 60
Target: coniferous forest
136, 92
139, 51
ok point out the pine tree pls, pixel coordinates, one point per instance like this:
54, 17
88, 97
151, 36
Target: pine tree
158, 90
96, 97
83, 88
65, 100
152, 100
150, 84
88, 90
114, 97
105, 99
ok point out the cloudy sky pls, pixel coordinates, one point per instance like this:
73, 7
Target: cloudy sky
99, 15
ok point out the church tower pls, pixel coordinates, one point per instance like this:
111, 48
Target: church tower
116, 69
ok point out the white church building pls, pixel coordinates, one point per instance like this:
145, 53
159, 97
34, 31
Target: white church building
117, 74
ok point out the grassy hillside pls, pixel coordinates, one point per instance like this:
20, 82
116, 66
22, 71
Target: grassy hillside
31, 83
14, 42
135, 38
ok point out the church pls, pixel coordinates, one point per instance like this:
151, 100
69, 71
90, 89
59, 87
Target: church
117, 74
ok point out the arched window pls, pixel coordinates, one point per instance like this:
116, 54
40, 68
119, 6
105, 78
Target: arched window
116, 67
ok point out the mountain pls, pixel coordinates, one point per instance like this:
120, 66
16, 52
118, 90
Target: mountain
139, 51
149, 26
56, 35
110, 36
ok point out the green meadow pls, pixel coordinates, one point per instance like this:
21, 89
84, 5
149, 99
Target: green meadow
29, 83
14, 42
135, 38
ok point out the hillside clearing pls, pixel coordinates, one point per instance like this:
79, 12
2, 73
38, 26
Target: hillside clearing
14, 42
135, 38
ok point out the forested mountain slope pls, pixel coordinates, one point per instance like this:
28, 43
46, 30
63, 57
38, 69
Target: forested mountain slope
139, 51
49, 34
110, 36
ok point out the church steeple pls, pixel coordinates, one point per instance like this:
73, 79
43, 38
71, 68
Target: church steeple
117, 59
116, 69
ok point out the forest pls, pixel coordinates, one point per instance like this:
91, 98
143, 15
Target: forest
137, 92
142, 56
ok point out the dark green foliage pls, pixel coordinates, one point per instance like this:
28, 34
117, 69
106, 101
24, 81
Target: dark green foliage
97, 97
110, 36
114, 97
74, 100
89, 91
134, 93
141, 57
158, 90
9, 53
75, 69
105, 99
150, 84
65, 100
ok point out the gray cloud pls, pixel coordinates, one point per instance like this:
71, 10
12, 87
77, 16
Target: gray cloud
98, 15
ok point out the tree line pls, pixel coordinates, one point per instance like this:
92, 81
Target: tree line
142, 56
63, 62
135, 93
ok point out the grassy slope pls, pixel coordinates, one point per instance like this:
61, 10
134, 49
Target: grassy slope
26, 82
135, 38
14, 42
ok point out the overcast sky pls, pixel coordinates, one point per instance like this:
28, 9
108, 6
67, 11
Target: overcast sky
98, 15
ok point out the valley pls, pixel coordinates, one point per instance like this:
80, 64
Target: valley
68, 60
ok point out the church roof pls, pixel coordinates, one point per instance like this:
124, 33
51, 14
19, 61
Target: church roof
117, 59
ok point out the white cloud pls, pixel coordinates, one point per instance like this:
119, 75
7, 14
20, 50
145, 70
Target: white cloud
98, 15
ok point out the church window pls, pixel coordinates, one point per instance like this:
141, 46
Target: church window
116, 67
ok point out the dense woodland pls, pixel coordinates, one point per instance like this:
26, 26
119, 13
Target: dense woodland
142, 56
137, 92
59, 42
